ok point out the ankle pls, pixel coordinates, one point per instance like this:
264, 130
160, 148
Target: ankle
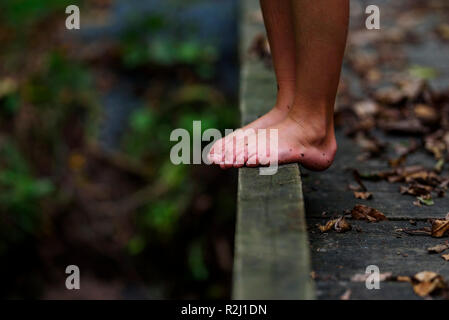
285, 95
318, 130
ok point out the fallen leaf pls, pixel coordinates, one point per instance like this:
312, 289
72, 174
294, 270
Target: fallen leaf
394, 163
425, 113
416, 189
434, 143
363, 195
427, 282
339, 224
439, 165
426, 200
445, 256
389, 95
366, 108
328, 226
438, 248
440, 228
403, 279
362, 212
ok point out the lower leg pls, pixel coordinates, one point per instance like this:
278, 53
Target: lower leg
307, 135
278, 22
320, 33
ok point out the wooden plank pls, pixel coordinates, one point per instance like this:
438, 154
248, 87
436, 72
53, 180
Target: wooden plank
339, 256
332, 185
272, 258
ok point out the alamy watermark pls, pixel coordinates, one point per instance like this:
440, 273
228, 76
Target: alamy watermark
372, 22
72, 282
260, 145
73, 21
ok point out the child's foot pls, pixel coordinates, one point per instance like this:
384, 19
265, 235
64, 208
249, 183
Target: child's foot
313, 147
275, 115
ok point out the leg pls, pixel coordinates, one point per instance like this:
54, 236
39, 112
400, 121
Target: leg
278, 21
306, 135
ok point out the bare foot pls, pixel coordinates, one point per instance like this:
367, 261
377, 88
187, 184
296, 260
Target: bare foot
275, 115
314, 148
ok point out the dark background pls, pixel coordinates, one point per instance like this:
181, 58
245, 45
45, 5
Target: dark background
85, 174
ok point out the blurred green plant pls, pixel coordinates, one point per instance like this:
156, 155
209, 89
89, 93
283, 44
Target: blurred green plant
20, 194
142, 44
41, 105
61, 91
21, 14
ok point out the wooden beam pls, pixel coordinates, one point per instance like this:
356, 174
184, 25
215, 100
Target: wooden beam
272, 258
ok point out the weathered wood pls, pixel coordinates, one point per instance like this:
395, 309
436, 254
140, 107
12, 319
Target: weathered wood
332, 185
272, 258
337, 257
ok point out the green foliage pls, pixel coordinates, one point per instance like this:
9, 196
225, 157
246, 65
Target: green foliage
20, 191
196, 262
47, 102
136, 245
143, 45
62, 90
23, 13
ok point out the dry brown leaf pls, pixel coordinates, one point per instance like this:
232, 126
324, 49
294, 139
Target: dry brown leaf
427, 282
363, 195
425, 113
394, 163
328, 226
445, 256
440, 228
438, 248
367, 108
362, 212
339, 224
403, 279
436, 145
416, 189
389, 95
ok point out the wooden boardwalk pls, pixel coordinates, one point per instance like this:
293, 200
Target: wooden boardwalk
337, 257
272, 259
